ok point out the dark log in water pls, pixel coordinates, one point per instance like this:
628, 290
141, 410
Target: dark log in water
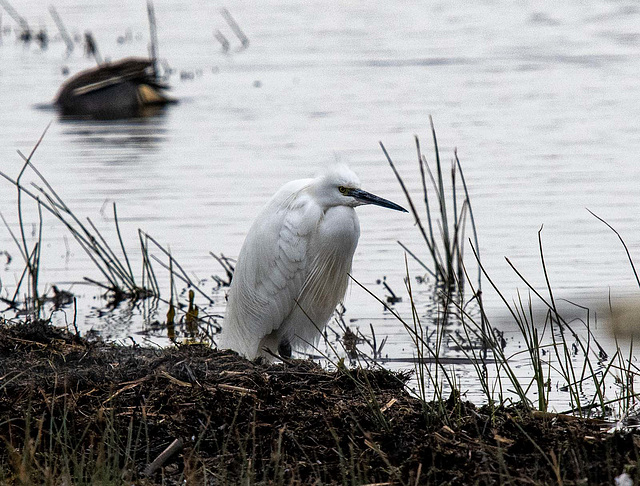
120, 89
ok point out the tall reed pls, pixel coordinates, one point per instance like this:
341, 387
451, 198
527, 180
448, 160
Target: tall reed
553, 348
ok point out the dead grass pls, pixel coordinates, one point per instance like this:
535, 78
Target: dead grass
79, 412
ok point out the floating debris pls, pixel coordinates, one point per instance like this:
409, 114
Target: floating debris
120, 89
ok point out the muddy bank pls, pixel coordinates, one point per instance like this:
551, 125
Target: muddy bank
78, 412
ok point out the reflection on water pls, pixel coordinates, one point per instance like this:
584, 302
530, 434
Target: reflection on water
138, 135
142, 112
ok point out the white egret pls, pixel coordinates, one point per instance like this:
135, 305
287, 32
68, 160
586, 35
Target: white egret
293, 266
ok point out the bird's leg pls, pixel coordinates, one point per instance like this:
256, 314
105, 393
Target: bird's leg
284, 349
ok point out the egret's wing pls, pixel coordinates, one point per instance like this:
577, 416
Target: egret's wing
271, 271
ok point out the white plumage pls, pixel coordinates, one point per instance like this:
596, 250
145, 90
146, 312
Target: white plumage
294, 264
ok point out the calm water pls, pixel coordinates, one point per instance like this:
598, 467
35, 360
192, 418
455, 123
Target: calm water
541, 99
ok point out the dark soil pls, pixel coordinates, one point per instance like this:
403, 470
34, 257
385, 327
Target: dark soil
290, 423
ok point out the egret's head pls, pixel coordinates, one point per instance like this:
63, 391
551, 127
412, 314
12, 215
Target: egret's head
340, 186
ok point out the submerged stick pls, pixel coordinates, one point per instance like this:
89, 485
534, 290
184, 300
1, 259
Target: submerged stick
15, 15
244, 40
153, 30
61, 28
91, 47
223, 41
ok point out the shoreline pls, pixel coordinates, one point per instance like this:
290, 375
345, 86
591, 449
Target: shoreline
94, 411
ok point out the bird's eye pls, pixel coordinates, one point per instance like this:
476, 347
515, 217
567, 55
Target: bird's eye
342, 189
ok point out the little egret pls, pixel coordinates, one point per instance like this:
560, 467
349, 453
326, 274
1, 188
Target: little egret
293, 266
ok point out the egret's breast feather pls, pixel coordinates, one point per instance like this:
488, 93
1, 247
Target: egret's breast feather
340, 225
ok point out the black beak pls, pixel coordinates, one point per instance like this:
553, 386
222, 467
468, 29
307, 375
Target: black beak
367, 198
